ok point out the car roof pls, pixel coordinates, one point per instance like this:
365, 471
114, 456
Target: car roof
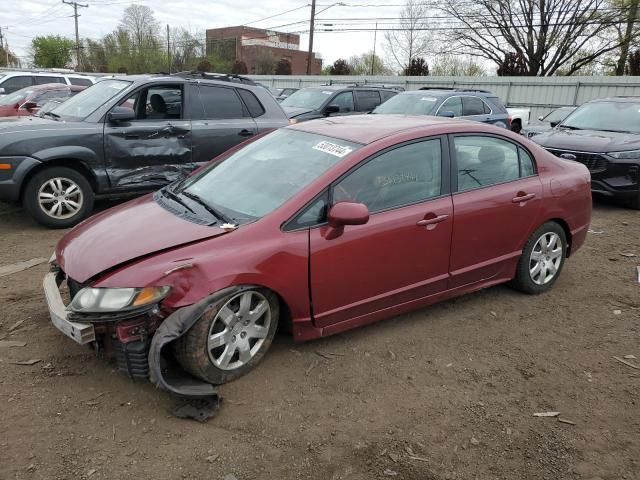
620, 99
449, 92
366, 129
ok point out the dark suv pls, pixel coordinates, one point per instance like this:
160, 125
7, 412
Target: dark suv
126, 134
330, 100
605, 136
479, 105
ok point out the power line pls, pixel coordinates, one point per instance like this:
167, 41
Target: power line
76, 15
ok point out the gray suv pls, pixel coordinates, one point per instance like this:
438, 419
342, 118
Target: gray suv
479, 105
126, 134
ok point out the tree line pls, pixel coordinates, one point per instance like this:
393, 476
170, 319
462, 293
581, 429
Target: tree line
441, 37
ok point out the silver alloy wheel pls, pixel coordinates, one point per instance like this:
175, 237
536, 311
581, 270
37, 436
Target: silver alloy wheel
546, 258
239, 330
60, 198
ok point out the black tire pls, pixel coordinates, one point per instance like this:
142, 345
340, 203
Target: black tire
192, 352
40, 180
516, 127
524, 280
634, 203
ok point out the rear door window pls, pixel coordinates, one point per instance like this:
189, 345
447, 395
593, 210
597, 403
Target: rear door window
367, 100
472, 106
482, 161
41, 80
220, 102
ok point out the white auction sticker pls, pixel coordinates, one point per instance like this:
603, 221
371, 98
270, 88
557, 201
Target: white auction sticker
333, 149
428, 99
327, 92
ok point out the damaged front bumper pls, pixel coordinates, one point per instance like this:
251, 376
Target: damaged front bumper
137, 342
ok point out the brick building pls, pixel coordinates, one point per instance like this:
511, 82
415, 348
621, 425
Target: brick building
259, 49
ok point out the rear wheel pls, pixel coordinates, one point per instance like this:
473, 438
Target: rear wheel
516, 126
231, 338
542, 259
58, 197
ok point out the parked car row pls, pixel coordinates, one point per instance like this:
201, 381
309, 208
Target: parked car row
30, 100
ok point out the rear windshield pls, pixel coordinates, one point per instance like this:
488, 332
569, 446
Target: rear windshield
606, 117
409, 104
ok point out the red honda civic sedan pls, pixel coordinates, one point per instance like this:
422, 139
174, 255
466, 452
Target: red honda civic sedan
318, 228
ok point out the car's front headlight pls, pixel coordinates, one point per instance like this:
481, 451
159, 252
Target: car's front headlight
626, 155
100, 300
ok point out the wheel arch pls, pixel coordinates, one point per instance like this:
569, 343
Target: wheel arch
72, 163
566, 229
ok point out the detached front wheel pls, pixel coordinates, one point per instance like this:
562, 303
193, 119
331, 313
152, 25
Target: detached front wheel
58, 197
231, 338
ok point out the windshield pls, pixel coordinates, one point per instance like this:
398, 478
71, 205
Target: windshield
559, 114
311, 98
88, 101
408, 104
15, 97
605, 116
266, 173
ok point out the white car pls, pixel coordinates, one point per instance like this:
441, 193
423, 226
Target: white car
13, 81
519, 118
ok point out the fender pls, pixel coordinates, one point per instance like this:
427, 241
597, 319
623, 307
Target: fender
75, 152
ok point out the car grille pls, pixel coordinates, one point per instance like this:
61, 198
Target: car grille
593, 161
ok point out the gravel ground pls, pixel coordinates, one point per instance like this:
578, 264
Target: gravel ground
446, 392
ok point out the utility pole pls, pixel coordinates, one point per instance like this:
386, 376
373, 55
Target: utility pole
168, 48
373, 57
75, 6
311, 26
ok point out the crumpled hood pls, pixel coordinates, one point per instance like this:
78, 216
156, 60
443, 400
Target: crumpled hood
14, 124
296, 111
588, 140
123, 233
8, 111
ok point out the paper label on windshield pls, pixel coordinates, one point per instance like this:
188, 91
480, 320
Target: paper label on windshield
333, 149
325, 92
428, 99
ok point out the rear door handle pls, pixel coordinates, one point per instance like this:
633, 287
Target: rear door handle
522, 197
432, 221
245, 133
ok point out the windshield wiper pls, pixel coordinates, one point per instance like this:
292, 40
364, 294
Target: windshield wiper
167, 192
207, 207
55, 116
614, 131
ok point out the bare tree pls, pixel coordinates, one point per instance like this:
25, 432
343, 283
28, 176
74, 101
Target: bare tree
627, 31
141, 25
411, 38
456, 66
548, 35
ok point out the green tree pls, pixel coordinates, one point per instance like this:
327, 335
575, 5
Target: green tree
513, 65
340, 67
417, 68
368, 64
239, 68
51, 51
634, 63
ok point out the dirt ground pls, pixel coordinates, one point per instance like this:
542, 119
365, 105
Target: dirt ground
447, 392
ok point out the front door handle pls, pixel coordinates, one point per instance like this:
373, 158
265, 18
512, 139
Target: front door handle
432, 221
522, 197
245, 133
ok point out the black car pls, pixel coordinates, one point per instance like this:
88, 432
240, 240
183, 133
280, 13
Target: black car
126, 134
605, 136
478, 105
547, 122
329, 100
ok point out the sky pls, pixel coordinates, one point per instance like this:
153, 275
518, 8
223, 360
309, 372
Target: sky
22, 20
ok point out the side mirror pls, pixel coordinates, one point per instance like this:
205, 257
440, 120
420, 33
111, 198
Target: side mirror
121, 114
541, 118
29, 106
2, 91
329, 109
345, 213
447, 114
554, 124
